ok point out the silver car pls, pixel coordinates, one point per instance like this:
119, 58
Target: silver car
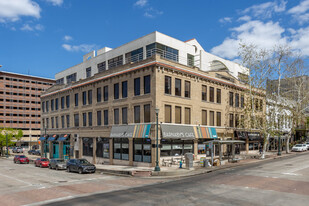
57, 164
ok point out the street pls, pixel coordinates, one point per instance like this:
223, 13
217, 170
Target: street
272, 182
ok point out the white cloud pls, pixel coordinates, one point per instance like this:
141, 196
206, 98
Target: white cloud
300, 41
27, 27
77, 48
141, 3
266, 9
56, 2
264, 35
12, 10
301, 8
67, 38
152, 13
225, 20
244, 18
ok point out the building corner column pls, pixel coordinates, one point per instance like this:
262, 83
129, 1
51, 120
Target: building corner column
131, 151
111, 151
94, 151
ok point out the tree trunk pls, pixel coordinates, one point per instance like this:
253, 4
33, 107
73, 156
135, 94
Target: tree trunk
266, 139
287, 148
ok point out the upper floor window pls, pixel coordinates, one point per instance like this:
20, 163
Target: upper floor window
47, 106
84, 119
231, 120
168, 85
88, 72
115, 62
52, 105
84, 98
137, 114
89, 96
134, 56
76, 120
147, 84
236, 100
242, 101
204, 93
178, 115
187, 115
204, 117
211, 94
62, 102
99, 118
71, 78
43, 106
211, 118
190, 60
124, 115
105, 117
99, 96
231, 99
76, 99
187, 89
116, 116
164, 51
147, 113
60, 81
177, 87
89, 119
105, 93
218, 119
168, 113
219, 96
101, 66
56, 103
68, 101
124, 88
137, 85
116, 91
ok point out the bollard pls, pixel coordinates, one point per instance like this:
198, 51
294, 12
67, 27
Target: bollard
180, 164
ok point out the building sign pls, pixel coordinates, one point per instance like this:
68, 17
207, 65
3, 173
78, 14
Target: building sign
177, 132
122, 131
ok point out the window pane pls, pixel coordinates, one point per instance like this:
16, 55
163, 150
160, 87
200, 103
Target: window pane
84, 98
99, 96
147, 84
187, 116
219, 119
168, 82
236, 100
106, 93
178, 115
204, 117
68, 101
84, 119
124, 89
90, 97
231, 120
219, 96
76, 99
211, 118
76, 120
211, 94
231, 98
137, 114
147, 113
204, 93
89, 119
168, 113
137, 84
125, 115
116, 116
177, 87
116, 91
105, 117
187, 89
99, 118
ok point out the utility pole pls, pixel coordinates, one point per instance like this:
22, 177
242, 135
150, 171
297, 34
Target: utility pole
7, 146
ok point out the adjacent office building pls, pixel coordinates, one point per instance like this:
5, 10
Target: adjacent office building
104, 109
20, 104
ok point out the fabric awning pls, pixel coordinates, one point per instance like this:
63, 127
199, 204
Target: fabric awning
52, 138
142, 131
206, 132
63, 137
177, 132
130, 131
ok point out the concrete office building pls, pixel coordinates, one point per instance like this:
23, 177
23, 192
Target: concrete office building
20, 104
104, 108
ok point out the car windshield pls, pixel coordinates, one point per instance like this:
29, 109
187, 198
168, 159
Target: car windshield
22, 156
83, 161
44, 160
298, 145
59, 160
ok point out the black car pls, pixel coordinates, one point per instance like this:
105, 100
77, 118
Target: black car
31, 152
37, 152
80, 166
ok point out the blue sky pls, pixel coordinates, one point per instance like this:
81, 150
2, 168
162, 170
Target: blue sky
43, 37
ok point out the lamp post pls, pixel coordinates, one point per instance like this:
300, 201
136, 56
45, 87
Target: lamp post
279, 145
157, 168
45, 142
7, 146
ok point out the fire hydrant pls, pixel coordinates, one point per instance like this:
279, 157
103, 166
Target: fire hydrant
180, 164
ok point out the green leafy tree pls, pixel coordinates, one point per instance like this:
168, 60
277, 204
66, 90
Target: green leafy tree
9, 134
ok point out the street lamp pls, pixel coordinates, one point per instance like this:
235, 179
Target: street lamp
45, 142
157, 168
7, 147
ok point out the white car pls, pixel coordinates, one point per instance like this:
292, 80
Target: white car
307, 144
299, 148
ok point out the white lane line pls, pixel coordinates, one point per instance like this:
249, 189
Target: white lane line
297, 169
29, 184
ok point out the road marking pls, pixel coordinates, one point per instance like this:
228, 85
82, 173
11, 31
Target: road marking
288, 173
297, 169
16, 179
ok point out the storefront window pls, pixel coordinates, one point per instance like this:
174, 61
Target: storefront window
201, 148
121, 148
102, 147
142, 150
176, 147
87, 147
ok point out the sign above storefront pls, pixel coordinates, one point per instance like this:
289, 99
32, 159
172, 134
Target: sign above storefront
130, 131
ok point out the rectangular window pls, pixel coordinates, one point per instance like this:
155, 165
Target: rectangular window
204, 117
88, 72
116, 91
76, 99
261, 105
256, 104
168, 85
43, 106
116, 116
134, 56
137, 84
137, 114
68, 121
178, 115
236, 120
89, 119
187, 89
218, 119
147, 113
47, 123
56, 104
71, 78
62, 102
47, 106
219, 96
187, 115
115, 62
56, 120
84, 119
84, 98
231, 99
211, 118
164, 51
168, 113
242, 101
101, 67
211, 94
190, 60
99, 95
67, 101
236, 100
52, 122
204, 93
124, 115
52, 105
105, 117
99, 118
231, 120
89, 97
62, 121
124, 88
105, 93
147, 84
76, 120
177, 87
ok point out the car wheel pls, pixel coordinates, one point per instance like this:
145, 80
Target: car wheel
41, 165
80, 171
50, 167
27, 162
68, 169
57, 167
14, 162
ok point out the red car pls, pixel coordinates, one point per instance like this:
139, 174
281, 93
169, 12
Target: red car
21, 159
41, 162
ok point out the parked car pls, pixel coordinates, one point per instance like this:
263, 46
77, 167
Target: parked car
17, 150
37, 152
307, 144
57, 164
31, 152
21, 159
299, 148
41, 162
34, 147
80, 166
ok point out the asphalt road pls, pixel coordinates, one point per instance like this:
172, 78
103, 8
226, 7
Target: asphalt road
272, 182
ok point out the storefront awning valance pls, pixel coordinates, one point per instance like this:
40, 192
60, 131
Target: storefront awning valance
206, 132
130, 131
52, 138
64, 137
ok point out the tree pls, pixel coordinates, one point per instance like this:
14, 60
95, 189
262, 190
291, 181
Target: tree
9, 134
